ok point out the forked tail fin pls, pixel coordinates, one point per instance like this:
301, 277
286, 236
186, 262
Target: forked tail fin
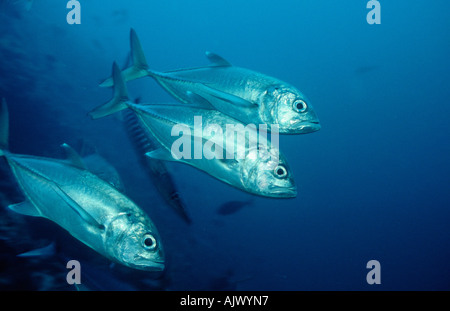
120, 99
4, 127
139, 66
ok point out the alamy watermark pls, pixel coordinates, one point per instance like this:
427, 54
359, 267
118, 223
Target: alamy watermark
74, 15
374, 275
74, 275
374, 15
233, 141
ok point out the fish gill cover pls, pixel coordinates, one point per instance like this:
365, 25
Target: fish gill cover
372, 182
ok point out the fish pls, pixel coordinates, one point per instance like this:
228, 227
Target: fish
86, 206
258, 171
157, 170
232, 207
246, 95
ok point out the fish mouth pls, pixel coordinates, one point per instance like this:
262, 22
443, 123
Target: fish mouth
155, 266
303, 127
290, 192
142, 263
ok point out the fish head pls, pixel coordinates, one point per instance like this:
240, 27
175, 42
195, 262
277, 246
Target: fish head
265, 172
290, 109
133, 240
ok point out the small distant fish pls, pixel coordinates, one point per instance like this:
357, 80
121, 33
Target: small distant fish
232, 207
90, 209
248, 96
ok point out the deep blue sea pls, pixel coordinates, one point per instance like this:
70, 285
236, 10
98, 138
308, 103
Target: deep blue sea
373, 183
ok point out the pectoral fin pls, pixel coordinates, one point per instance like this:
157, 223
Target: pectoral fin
200, 101
230, 98
77, 208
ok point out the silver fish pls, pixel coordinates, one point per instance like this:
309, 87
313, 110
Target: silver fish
255, 172
89, 208
246, 95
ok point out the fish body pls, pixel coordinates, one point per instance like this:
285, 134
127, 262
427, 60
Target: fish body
254, 166
88, 207
251, 173
246, 95
144, 142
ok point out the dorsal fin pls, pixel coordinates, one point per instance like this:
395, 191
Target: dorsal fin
217, 60
72, 157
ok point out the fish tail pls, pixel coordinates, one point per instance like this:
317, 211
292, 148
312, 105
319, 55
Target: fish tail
139, 66
4, 127
120, 100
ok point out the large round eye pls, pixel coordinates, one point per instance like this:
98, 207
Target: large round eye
280, 171
149, 242
299, 106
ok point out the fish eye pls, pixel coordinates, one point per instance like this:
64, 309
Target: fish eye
280, 171
299, 105
149, 242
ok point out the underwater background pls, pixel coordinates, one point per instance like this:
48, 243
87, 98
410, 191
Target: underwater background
374, 182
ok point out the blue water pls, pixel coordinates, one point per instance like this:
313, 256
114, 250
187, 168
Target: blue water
373, 182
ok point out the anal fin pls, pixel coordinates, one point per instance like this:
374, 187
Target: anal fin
25, 208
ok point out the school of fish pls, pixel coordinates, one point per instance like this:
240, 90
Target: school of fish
93, 208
